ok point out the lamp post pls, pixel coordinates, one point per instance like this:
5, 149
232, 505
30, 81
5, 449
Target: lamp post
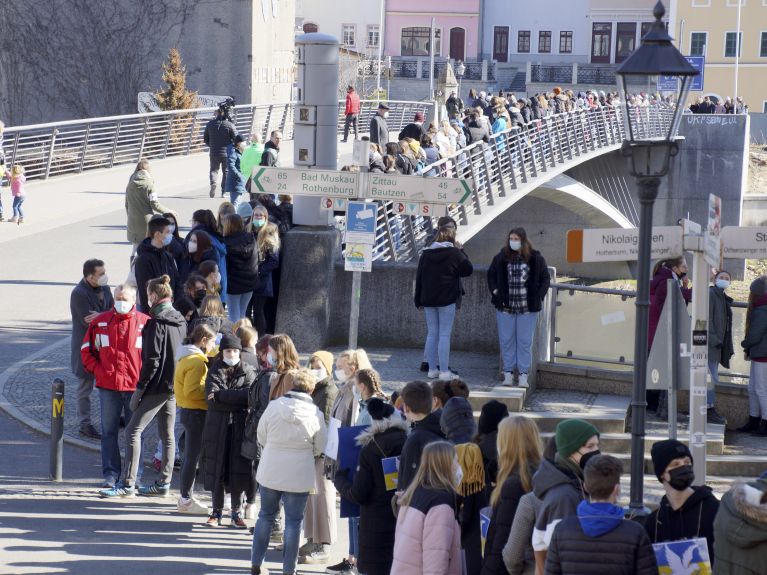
649, 154
460, 70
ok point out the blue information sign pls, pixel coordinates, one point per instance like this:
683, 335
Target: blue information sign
361, 222
669, 83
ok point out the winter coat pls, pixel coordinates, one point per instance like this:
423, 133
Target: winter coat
740, 531
500, 525
658, 292
432, 156
379, 131
271, 154
292, 434
422, 433
258, 400
241, 262
235, 180
428, 537
163, 334
518, 552
141, 204
218, 324
755, 342
217, 242
151, 263
414, 131
560, 492
219, 133
189, 379
382, 439
324, 395
111, 349
84, 300
599, 541
251, 158
225, 425
345, 407
454, 106
488, 445
190, 265
537, 283
352, 103
693, 519
264, 285
720, 346
178, 251
437, 280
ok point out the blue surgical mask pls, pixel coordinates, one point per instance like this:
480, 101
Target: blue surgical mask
259, 223
515, 245
722, 284
270, 358
166, 240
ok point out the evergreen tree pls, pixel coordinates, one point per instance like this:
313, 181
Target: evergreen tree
175, 96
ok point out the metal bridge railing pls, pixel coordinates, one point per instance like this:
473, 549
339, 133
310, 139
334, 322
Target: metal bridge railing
71, 147
510, 160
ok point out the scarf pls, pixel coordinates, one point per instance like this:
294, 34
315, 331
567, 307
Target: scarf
472, 465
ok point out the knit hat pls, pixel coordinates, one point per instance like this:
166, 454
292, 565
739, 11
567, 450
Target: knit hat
245, 210
379, 409
418, 117
758, 287
492, 414
457, 420
325, 358
572, 434
664, 452
229, 341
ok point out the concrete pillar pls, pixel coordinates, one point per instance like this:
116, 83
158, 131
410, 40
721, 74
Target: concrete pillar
484, 70
315, 117
528, 72
575, 74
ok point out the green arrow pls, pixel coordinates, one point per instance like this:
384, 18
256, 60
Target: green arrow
467, 194
255, 179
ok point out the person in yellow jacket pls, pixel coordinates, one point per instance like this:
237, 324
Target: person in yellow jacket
189, 387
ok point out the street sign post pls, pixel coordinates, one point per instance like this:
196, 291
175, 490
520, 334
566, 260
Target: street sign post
419, 189
620, 245
323, 183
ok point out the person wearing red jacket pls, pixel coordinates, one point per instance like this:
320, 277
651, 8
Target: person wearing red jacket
111, 351
352, 111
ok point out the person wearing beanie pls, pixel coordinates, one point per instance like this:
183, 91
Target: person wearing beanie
320, 525
415, 129
740, 529
457, 422
755, 347
226, 388
686, 511
487, 436
558, 483
372, 490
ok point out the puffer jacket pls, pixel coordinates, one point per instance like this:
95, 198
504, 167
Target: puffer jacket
292, 434
219, 133
162, 337
428, 537
740, 531
560, 492
190, 376
111, 349
235, 180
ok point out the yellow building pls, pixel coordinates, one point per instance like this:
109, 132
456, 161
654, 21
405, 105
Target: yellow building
710, 28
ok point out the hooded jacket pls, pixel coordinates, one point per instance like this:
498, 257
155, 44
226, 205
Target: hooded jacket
111, 349
560, 492
740, 531
241, 262
292, 434
163, 335
217, 241
693, 519
599, 541
189, 379
537, 284
141, 204
421, 434
151, 263
437, 280
219, 133
382, 439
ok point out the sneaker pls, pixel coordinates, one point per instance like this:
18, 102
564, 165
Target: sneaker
118, 491
13, 220
523, 380
177, 463
433, 374
306, 548
214, 519
317, 556
424, 366
447, 375
250, 511
276, 536
712, 416
191, 506
344, 567
508, 378
108, 483
237, 521
155, 490
157, 464
213, 190
89, 431
20, 221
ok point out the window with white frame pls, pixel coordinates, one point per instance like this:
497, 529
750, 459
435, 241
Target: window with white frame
698, 41
566, 42
349, 34
374, 35
730, 43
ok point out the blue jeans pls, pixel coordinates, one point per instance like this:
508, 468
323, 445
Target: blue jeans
439, 327
17, 211
515, 336
295, 505
235, 198
354, 536
713, 368
113, 404
237, 305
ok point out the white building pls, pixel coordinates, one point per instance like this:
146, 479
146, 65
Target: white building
356, 24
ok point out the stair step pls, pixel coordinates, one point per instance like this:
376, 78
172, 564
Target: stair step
748, 466
513, 397
547, 421
620, 443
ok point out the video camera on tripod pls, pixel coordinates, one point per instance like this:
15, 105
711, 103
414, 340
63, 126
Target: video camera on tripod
225, 108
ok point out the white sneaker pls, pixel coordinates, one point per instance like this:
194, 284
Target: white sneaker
433, 374
523, 380
447, 375
508, 378
191, 506
250, 511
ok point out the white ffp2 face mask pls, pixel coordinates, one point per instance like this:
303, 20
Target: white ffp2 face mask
340, 375
123, 307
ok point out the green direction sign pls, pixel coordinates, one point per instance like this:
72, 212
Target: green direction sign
330, 183
419, 189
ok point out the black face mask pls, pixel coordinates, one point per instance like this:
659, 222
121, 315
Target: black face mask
681, 477
199, 295
586, 456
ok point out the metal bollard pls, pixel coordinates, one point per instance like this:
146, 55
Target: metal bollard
57, 429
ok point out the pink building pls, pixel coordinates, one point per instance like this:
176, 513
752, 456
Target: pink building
407, 28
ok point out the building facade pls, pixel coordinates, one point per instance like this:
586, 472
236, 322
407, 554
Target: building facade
357, 25
616, 28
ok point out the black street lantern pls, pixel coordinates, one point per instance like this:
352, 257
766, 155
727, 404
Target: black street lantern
651, 142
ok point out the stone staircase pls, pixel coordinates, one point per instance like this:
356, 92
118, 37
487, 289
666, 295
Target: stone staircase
518, 84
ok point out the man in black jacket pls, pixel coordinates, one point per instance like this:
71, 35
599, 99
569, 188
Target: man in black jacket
425, 428
598, 540
271, 155
379, 131
219, 133
415, 129
154, 261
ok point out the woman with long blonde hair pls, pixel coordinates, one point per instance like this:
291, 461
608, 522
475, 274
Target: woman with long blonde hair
268, 247
519, 454
426, 521
283, 358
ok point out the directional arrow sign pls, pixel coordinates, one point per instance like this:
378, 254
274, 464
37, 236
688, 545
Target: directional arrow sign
419, 189
620, 245
327, 183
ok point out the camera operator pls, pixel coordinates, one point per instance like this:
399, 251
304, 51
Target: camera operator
219, 133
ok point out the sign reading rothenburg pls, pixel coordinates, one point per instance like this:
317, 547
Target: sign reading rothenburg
620, 245
306, 182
